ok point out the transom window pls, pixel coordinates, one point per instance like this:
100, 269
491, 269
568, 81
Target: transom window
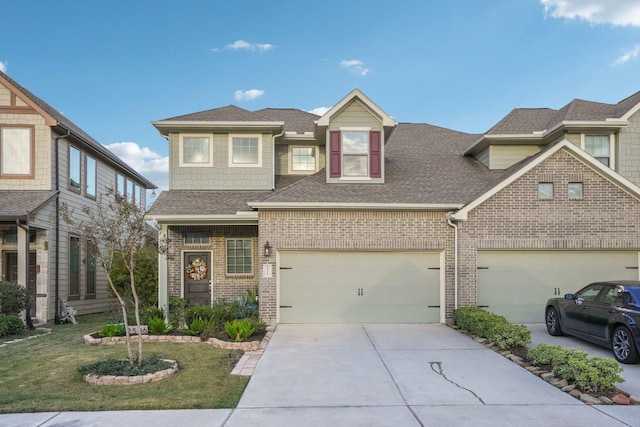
575, 190
545, 190
245, 150
16, 151
196, 238
195, 150
303, 159
74, 168
239, 256
355, 153
599, 146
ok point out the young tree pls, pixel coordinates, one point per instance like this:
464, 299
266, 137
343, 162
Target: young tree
117, 230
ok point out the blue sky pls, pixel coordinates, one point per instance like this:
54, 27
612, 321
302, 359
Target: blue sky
113, 67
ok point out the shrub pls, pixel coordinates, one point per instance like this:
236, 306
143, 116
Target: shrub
112, 330
240, 330
145, 275
178, 312
157, 326
596, 373
543, 354
10, 324
507, 335
148, 313
13, 298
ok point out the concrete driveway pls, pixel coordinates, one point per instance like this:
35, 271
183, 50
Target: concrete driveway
400, 375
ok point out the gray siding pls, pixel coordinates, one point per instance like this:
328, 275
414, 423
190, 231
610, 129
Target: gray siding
629, 150
503, 156
220, 176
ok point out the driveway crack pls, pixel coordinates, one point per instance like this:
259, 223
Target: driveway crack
437, 368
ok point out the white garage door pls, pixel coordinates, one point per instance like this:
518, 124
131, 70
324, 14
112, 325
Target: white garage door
516, 284
359, 287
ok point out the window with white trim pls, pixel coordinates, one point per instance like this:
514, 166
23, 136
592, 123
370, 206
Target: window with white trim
239, 256
355, 153
245, 150
600, 147
90, 179
303, 159
120, 187
196, 150
17, 145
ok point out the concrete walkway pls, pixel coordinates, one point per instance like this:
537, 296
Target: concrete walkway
374, 375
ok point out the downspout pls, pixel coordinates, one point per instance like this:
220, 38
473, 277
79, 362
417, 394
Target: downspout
455, 259
26, 285
57, 278
273, 158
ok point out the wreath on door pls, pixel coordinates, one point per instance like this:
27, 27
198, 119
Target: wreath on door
197, 269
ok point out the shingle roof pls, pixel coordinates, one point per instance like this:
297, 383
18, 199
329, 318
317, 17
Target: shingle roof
230, 113
19, 204
294, 120
204, 202
423, 165
529, 120
67, 124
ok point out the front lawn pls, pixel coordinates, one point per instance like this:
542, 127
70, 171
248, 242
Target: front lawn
40, 374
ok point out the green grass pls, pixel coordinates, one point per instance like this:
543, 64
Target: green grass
40, 374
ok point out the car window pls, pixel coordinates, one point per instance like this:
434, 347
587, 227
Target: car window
589, 293
612, 296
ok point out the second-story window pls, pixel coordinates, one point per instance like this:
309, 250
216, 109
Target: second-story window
91, 176
74, 168
195, 150
16, 152
245, 150
599, 146
303, 159
120, 188
355, 153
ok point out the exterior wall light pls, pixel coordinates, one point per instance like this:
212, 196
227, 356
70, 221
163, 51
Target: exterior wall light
267, 250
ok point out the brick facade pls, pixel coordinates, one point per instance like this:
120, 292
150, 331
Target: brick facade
224, 286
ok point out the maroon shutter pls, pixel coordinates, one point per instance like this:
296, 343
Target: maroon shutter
375, 154
334, 154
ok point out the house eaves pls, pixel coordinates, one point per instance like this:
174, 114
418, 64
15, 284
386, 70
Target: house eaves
239, 218
386, 119
166, 125
353, 206
609, 174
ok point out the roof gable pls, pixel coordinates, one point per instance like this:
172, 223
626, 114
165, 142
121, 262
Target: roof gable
527, 165
356, 94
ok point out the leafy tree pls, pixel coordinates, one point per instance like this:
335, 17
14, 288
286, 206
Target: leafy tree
119, 230
145, 275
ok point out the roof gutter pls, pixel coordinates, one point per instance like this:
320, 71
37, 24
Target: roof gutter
27, 314
343, 205
57, 139
450, 220
273, 158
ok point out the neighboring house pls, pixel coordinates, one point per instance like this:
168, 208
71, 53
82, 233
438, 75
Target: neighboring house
369, 220
46, 160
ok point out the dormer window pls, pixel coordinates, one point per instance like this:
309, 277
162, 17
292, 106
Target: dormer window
355, 153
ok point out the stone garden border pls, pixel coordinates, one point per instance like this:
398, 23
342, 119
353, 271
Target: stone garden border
215, 342
134, 379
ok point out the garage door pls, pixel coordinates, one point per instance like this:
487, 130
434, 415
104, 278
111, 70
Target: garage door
516, 284
359, 287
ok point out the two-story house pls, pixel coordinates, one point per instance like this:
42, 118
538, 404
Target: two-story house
353, 217
46, 160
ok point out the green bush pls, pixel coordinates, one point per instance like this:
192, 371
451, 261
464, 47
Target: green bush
145, 275
591, 374
544, 354
112, 330
148, 313
10, 324
13, 298
507, 335
178, 312
157, 326
240, 330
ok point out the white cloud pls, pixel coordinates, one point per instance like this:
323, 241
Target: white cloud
319, 111
628, 56
244, 45
614, 12
147, 162
248, 95
3, 66
355, 66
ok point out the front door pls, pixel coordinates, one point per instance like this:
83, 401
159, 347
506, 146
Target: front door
197, 277
11, 275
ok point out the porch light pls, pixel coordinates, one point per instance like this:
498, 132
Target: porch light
267, 249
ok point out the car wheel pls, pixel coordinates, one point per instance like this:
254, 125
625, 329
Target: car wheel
623, 345
553, 322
